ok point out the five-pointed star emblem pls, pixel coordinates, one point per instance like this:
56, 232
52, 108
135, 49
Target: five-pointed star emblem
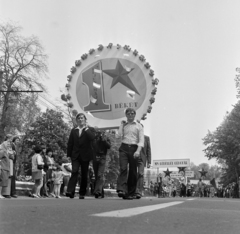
203, 172
120, 75
181, 169
167, 172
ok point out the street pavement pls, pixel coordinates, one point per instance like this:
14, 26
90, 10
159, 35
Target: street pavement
117, 216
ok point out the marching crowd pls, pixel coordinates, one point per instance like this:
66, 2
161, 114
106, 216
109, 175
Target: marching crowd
88, 146
171, 188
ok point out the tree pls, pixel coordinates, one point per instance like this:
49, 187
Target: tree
212, 171
23, 64
49, 129
22, 113
224, 145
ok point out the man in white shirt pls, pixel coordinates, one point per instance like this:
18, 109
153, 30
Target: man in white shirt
131, 133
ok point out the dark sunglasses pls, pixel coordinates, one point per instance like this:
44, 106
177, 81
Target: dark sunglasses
82, 117
131, 113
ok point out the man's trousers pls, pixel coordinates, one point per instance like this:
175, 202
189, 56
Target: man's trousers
76, 164
99, 168
127, 180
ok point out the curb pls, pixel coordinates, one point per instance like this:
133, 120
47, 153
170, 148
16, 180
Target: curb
24, 188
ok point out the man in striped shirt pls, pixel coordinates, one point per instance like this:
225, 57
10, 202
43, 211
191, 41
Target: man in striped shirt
131, 133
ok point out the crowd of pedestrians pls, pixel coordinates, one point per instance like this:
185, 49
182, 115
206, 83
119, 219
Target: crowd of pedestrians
201, 189
48, 176
85, 165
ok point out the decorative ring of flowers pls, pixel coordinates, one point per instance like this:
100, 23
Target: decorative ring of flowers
96, 55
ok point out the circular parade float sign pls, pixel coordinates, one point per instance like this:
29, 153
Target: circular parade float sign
108, 80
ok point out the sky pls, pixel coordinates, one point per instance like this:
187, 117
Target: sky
193, 47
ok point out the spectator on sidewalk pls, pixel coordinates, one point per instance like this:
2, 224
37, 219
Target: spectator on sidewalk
67, 169
5, 171
49, 160
15, 147
37, 171
6, 191
58, 175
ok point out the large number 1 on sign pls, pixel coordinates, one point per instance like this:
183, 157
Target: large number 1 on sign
92, 78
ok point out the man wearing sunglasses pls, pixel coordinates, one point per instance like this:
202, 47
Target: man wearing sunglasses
131, 133
80, 151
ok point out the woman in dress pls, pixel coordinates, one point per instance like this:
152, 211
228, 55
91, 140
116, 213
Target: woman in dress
6, 155
51, 165
37, 171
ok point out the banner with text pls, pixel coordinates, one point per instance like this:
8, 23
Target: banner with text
171, 163
176, 174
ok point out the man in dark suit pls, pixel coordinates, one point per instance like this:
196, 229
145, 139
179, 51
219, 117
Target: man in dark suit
80, 151
144, 161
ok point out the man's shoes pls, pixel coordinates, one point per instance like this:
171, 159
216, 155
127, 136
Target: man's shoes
7, 196
14, 196
70, 195
137, 196
121, 194
81, 197
97, 195
128, 197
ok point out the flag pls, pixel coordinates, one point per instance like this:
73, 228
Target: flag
213, 183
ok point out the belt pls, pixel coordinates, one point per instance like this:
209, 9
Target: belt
129, 145
100, 156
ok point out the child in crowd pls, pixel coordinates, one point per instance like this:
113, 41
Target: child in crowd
57, 176
67, 169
